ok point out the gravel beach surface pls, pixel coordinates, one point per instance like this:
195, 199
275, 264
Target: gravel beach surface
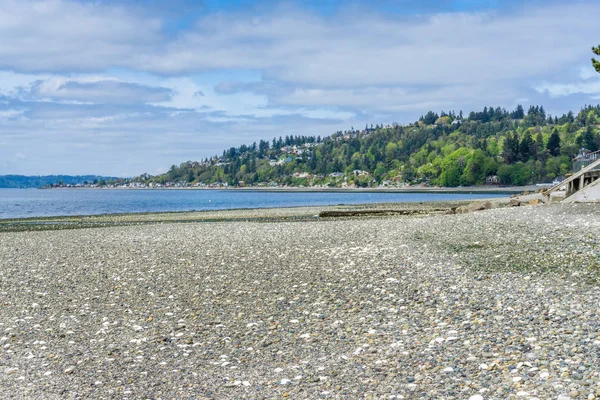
496, 304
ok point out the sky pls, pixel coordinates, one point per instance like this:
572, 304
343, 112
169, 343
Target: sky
120, 88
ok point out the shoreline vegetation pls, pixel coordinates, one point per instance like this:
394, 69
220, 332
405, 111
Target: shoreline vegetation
280, 302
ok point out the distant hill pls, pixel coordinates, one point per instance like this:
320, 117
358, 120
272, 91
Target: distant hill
22, 181
493, 146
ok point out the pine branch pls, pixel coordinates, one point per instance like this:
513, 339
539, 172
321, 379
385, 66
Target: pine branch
595, 62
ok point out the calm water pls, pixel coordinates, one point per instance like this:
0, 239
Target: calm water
20, 203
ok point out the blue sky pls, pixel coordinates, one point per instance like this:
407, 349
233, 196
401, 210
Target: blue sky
122, 87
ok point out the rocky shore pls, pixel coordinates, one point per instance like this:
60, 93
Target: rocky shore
495, 304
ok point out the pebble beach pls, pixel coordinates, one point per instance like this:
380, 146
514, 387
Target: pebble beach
264, 304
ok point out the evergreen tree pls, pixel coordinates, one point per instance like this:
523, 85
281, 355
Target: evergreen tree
525, 147
510, 148
519, 113
595, 62
553, 145
429, 118
589, 140
539, 142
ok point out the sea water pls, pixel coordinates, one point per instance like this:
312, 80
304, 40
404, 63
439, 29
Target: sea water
23, 203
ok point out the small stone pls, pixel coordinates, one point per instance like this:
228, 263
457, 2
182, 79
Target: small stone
69, 369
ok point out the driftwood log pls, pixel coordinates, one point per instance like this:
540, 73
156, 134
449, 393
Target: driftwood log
362, 213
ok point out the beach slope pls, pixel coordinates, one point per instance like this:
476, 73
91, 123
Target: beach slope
499, 303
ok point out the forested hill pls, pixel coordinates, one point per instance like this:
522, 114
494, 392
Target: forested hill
514, 148
22, 181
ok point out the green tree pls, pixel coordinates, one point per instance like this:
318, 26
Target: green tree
553, 145
391, 150
553, 167
510, 148
504, 174
539, 141
430, 118
517, 174
474, 173
526, 147
519, 113
589, 139
453, 167
595, 62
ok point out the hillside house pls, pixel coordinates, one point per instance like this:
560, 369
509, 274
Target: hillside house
492, 180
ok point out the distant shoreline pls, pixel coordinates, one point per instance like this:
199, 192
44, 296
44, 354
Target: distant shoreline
457, 190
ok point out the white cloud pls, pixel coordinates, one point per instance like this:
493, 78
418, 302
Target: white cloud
371, 49
11, 81
102, 88
396, 99
11, 113
65, 35
587, 72
80, 88
567, 89
99, 91
137, 145
291, 45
